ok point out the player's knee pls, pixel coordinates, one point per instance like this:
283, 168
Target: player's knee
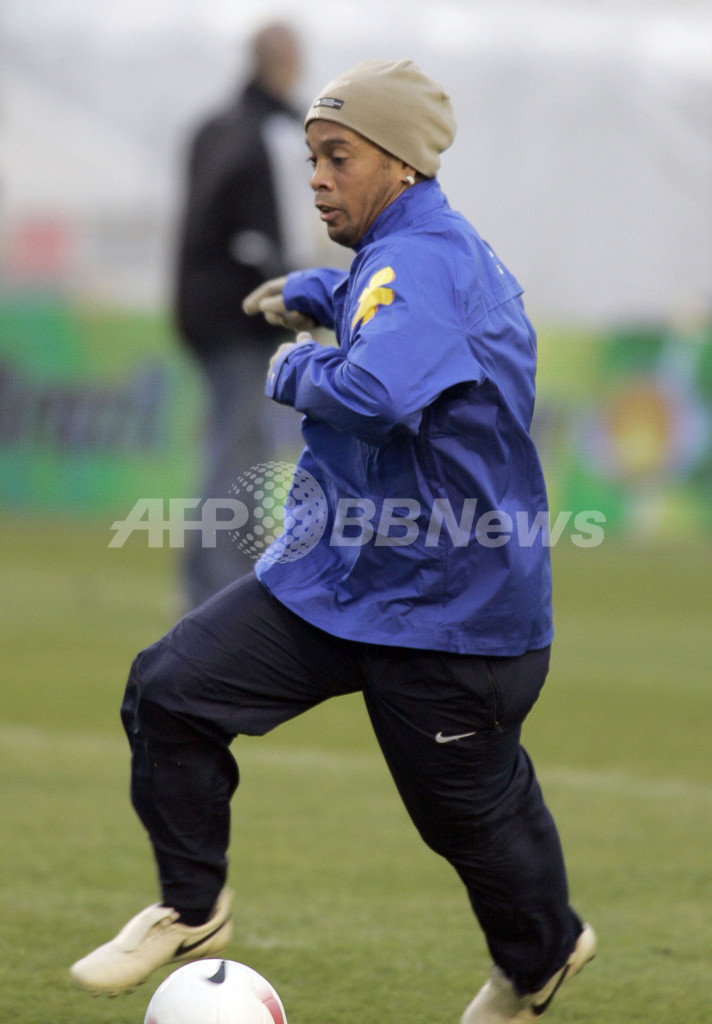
155, 680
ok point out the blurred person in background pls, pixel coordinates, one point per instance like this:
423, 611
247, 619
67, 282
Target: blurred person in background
244, 221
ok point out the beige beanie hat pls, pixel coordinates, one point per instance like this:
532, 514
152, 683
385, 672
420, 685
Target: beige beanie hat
394, 105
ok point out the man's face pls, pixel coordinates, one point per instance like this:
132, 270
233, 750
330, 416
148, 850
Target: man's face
354, 180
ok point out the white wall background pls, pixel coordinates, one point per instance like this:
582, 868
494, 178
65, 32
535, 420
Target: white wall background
584, 148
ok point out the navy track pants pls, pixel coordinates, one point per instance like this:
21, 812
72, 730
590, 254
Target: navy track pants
449, 727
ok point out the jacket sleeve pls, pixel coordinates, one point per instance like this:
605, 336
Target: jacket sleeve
310, 292
324, 384
406, 343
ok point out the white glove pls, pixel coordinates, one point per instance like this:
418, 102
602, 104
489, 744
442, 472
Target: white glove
267, 299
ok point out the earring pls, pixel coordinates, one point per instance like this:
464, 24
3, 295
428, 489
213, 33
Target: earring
408, 180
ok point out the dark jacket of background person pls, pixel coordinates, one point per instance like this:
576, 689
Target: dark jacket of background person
231, 238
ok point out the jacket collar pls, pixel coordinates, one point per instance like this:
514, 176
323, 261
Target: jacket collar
256, 94
416, 200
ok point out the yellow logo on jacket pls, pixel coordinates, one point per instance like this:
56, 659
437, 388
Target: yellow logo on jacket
374, 295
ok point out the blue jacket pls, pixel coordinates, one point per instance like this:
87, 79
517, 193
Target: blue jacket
430, 499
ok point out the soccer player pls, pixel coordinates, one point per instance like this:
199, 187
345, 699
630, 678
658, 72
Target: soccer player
428, 590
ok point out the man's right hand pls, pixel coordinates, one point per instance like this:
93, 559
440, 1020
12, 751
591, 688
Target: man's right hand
267, 299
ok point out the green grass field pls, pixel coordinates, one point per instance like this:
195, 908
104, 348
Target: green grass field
338, 902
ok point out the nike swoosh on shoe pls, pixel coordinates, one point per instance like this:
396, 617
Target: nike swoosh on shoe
186, 948
539, 1008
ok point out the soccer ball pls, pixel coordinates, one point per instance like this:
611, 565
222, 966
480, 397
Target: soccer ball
215, 992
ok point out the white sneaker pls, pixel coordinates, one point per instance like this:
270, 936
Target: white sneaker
151, 939
497, 1001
